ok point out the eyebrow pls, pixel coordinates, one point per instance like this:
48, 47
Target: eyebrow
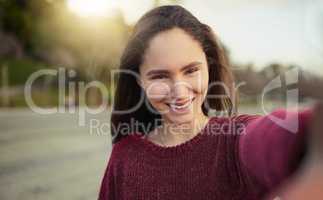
163, 71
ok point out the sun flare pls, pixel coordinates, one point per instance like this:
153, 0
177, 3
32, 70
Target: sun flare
92, 8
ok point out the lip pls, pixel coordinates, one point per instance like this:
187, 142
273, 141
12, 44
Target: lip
182, 107
180, 103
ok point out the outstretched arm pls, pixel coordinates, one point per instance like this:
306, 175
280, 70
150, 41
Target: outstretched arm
308, 181
272, 146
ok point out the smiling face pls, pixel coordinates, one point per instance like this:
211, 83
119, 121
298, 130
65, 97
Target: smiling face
174, 75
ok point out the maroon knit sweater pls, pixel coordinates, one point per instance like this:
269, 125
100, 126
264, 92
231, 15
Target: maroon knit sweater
242, 157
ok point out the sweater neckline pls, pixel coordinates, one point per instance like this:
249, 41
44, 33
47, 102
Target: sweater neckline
175, 149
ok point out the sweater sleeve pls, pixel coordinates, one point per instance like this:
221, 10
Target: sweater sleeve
272, 146
107, 189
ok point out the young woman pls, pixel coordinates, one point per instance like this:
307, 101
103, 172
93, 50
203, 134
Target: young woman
166, 143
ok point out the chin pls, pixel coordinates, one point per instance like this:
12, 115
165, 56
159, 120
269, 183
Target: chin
189, 117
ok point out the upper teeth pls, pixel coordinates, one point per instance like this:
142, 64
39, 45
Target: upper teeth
182, 106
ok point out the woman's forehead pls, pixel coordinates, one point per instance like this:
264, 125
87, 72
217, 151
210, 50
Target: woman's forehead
172, 49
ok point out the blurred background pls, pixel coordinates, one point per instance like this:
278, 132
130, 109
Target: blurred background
63, 154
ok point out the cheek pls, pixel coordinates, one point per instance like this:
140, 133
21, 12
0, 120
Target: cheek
200, 83
157, 91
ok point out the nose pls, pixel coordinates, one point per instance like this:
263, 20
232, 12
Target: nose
181, 91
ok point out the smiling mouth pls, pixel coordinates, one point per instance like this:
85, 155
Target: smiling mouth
180, 106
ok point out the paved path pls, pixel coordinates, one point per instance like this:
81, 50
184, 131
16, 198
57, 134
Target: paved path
50, 156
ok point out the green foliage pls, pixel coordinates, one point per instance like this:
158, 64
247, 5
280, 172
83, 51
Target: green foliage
21, 18
20, 69
16, 19
43, 99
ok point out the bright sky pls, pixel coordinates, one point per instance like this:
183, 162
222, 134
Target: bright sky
266, 31
255, 31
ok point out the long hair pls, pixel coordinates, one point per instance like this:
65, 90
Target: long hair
128, 92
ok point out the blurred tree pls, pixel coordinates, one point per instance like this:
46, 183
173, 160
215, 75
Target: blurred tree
49, 32
15, 20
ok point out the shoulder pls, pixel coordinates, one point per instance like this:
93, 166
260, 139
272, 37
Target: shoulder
122, 149
245, 118
227, 124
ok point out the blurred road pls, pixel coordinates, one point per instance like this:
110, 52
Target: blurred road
50, 156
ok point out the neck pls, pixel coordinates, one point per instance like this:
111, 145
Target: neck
174, 133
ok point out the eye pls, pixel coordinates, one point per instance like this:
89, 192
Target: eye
192, 70
158, 76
